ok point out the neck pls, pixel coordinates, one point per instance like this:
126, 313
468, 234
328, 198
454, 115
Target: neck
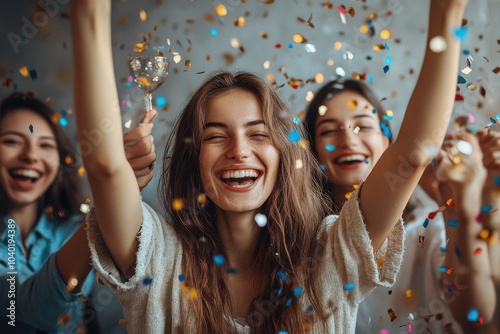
25, 217
239, 234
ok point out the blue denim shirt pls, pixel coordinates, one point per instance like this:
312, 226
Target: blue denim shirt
31, 279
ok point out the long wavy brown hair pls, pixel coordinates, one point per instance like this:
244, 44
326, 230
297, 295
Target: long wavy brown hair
65, 194
287, 245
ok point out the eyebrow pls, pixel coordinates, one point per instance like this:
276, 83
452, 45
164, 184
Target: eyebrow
224, 125
334, 120
20, 134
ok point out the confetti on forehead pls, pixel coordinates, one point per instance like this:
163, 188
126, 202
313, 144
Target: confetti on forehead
31, 128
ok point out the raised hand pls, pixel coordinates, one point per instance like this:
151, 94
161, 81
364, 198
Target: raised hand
140, 150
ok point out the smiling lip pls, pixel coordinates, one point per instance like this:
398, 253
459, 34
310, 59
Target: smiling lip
22, 184
351, 166
240, 173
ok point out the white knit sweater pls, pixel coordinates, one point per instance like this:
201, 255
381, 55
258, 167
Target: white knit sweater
153, 301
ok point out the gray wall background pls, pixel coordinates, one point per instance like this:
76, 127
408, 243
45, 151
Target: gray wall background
35, 35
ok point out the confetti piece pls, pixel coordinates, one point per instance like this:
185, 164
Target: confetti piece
294, 136
349, 286
432, 215
496, 180
322, 110
72, 283
221, 10
461, 33
478, 251
299, 164
297, 292
63, 319
442, 249
438, 44
330, 147
281, 275
128, 123
219, 260
122, 322
450, 202
453, 223
386, 68
261, 219
161, 101
486, 208
392, 314
177, 204
214, 32
409, 293
147, 281
426, 223
143, 15
31, 128
182, 278
288, 302
63, 122
33, 74
24, 71
232, 271
473, 315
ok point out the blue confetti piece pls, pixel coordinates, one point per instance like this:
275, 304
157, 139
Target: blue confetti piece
450, 288
466, 52
370, 78
374, 111
147, 281
122, 47
349, 286
486, 208
281, 275
426, 222
128, 84
298, 291
310, 308
290, 45
496, 180
386, 68
294, 136
388, 117
461, 33
288, 302
214, 32
182, 278
31, 128
453, 223
296, 120
472, 128
232, 271
434, 162
63, 113
442, 249
219, 259
388, 60
33, 74
367, 162
494, 121
368, 57
461, 79
161, 101
497, 117
442, 269
473, 315
322, 166
330, 147
282, 332
387, 46
63, 122
280, 291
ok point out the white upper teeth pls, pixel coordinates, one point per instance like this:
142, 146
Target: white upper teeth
236, 174
26, 173
354, 157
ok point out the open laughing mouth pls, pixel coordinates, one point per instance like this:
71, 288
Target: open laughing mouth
242, 178
24, 175
352, 159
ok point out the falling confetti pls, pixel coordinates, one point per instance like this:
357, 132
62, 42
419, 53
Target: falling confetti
261, 219
349, 287
219, 259
147, 281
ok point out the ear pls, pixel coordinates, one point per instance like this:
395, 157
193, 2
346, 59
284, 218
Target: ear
386, 142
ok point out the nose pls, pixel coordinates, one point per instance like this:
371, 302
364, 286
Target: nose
347, 138
29, 153
238, 149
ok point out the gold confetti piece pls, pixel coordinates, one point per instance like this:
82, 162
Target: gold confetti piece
337, 45
63, 319
385, 34
177, 204
327, 5
139, 47
187, 63
72, 283
392, 314
221, 10
122, 322
68, 160
298, 38
159, 53
380, 262
143, 15
239, 22
319, 78
81, 171
122, 20
202, 199
364, 29
352, 104
24, 71
348, 195
268, 2
496, 70
409, 293
235, 42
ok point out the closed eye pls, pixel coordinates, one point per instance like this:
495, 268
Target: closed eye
330, 132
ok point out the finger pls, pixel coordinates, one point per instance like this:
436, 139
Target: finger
142, 130
142, 147
143, 162
144, 180
148, 117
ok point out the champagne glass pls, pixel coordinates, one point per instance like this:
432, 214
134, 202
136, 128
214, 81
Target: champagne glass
148, 72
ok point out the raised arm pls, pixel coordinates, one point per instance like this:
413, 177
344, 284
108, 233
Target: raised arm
112, 181
490, 145
466, 255
394, 177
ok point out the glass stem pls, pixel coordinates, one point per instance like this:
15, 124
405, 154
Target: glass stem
149, 102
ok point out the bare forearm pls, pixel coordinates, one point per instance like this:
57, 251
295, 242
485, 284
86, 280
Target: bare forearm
96, 98
490, 216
